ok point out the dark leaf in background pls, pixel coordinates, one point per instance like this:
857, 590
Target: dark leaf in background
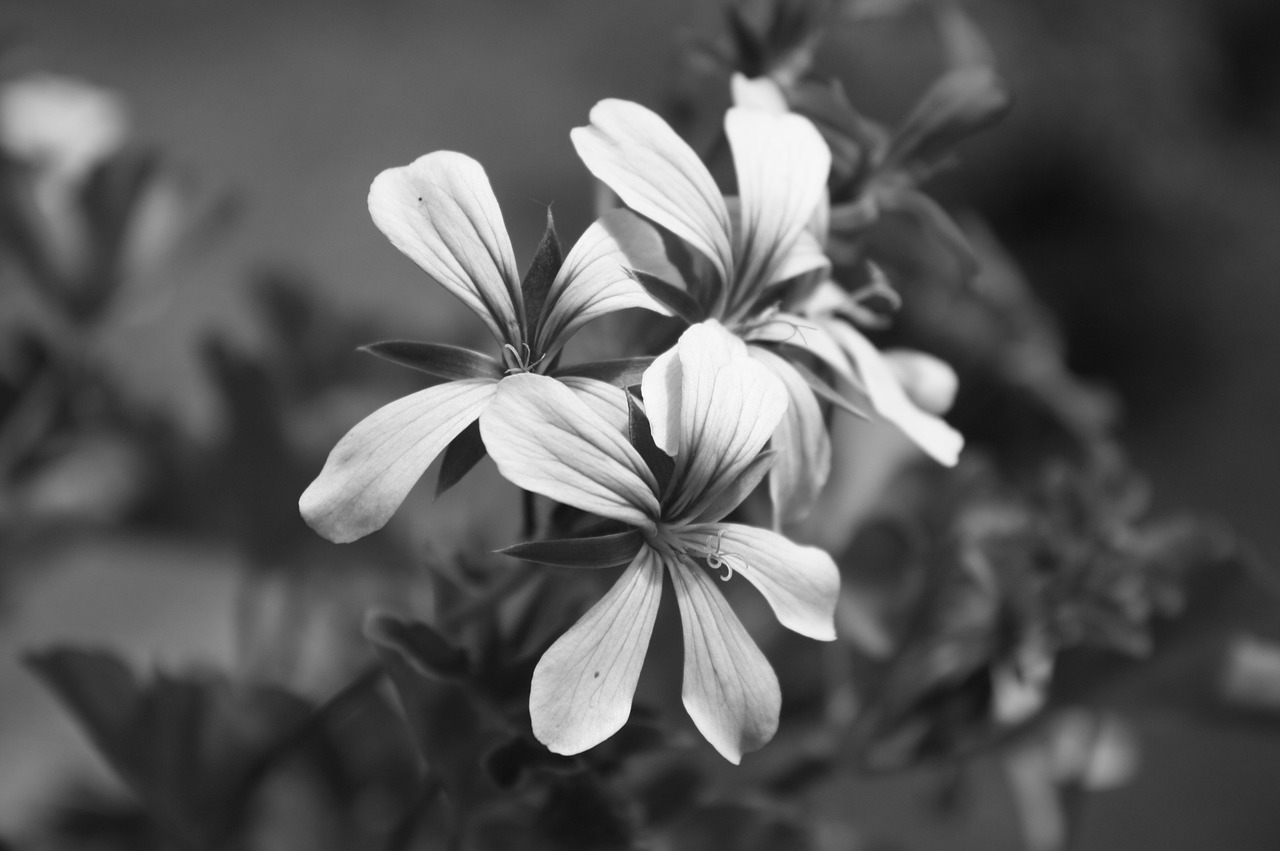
185, 746
110, 198
449, 723
742, 827
965, 101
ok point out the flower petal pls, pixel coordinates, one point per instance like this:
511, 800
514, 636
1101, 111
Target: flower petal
637, 155
583, 685
801, 584
607, 400
788, 329
804, 447
929, 432
440, 211
782, 164
592, 282
729, 408
546, 439
929, 382
758, 93
730, 691
660, 388
371, 470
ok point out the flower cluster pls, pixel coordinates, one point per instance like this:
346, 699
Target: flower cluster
659, 446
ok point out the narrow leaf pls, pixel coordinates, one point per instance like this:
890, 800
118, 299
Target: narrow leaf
537, 281
439, 359
622, 372
600, 551
463, 453
640, 433
670, 296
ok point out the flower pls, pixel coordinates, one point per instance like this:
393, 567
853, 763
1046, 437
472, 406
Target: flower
441, 212
711, 408
765, 249
907, 388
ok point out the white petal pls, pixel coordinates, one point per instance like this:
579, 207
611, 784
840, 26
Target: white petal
760, 93
583, 685
602, 397
660, 387
371, 470
730, 690
805, 257
804, 447
729, 408
545, 439
929, 382
593, 281
930, 433
440, 211
801, 584
810, 335
782, 163
658, 175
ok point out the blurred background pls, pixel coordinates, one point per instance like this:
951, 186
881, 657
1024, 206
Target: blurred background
1136, 182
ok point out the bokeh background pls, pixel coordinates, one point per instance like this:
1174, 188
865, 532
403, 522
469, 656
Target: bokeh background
1136, 181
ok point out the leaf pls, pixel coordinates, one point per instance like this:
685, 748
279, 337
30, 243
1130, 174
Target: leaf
439, 359
640, 433
934, 221
463, 453
961, 103
670, 296
537, 281
622, 372
186, 746
612, 550
413, 654
418, 643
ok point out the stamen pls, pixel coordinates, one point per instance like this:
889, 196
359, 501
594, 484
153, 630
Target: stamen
519, 360
717, 559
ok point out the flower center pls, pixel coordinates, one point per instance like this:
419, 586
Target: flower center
519, 360
668, 544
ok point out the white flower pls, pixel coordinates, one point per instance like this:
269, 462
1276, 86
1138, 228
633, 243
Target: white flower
441, 212
712, 409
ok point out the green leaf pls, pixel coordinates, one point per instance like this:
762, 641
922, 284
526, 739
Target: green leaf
439, 359
462, 453
640, 434
612, 550
622, 372
542, 273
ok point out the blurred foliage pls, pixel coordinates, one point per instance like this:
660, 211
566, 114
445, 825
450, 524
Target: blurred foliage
1000, 607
